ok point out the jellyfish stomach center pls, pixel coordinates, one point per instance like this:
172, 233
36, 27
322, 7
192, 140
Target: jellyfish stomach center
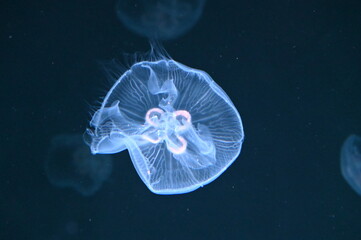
168, 127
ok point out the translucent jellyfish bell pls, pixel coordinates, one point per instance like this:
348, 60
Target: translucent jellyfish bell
71, 165
181, 129
351, 162
159, 19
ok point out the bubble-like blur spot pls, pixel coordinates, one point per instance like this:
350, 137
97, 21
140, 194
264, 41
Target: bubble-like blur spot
159, 19
351, 162
72, 228
71, 165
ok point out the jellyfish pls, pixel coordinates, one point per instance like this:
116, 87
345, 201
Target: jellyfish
70, 164
351, 162
159, 19
181, 129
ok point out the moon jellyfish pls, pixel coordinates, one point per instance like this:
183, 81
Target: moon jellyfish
351, 162
71, 165
181, 129
159, 19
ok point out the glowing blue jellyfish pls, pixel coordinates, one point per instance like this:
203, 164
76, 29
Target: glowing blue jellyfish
159, 19
71, 165
181, 129
351, 162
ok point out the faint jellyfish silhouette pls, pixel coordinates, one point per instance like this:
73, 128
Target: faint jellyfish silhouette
159, 19
181, 129
71, 165
351, 162
69, 229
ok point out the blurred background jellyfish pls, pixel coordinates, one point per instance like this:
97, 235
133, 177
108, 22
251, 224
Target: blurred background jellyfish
71, 165
159, 19
351, 162
181, 129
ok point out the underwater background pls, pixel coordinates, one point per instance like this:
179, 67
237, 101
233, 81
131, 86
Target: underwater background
292, 69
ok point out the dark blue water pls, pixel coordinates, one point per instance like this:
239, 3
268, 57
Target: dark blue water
292, 69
